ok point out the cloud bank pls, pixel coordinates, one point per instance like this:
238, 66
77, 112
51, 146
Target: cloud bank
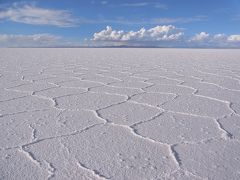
159, 36
34, 40
158, 33
204, 39
163, 36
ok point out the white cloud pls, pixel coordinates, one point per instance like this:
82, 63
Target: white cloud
204, 39
30, 14
34, 37
166, 20
200, 37
220, 37
139, 4
163, 36
34, 40
234, 38
214, 39
142, 4
108, 35
158, 33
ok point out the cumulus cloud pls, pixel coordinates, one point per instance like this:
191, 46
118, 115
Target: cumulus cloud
220, 37
201, 37
234, 38
163, 36
158, 33
204, 39
30, 14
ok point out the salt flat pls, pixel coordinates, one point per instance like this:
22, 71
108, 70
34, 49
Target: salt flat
119, 114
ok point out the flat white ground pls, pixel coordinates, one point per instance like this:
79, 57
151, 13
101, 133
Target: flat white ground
119, 114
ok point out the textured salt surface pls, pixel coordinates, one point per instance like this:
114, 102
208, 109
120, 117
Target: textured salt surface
119, 114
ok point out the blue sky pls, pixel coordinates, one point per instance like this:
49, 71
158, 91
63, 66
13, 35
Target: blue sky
170, 23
